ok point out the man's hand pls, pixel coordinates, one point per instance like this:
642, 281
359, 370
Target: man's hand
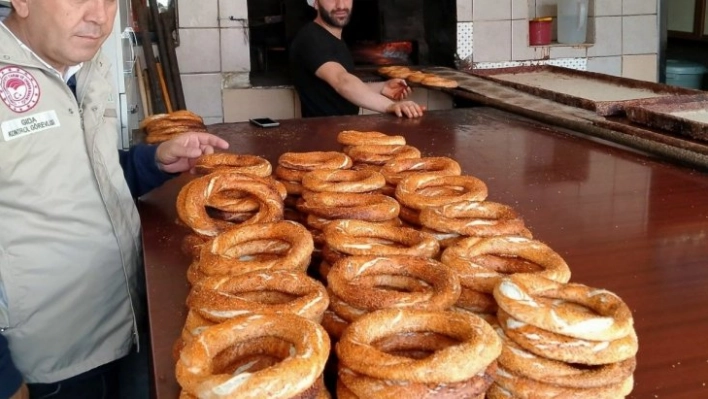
406, 108
180, 154
396, 89
22, 393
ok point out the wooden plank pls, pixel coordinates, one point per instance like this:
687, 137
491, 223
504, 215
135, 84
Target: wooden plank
162, 49
168, 25
156, 99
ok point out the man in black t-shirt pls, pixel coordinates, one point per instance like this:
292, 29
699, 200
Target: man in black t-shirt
322, 67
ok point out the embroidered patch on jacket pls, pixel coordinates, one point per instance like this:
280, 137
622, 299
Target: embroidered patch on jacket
19, 90
29, 124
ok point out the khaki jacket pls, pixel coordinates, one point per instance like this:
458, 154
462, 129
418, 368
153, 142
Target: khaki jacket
69, 230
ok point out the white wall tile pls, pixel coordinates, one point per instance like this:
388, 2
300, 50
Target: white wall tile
580, 64
520, 9
236, 9
569, 52
642, 67
198, 14
198, 50
573, 63
545, 8
203, 94
491, 10
464, 10
492, 41
213, 120
273, 102
235, 54
606, 65
607, 32
607, 8
465, 42
636, 7
236, 80
520, 49
640, 34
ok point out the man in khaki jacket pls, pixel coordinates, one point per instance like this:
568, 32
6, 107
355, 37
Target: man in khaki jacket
69, 229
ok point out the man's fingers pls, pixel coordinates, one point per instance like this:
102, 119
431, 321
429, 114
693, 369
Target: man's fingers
413, 110
211, 140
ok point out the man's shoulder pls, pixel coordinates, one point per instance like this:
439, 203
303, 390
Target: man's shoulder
306, 33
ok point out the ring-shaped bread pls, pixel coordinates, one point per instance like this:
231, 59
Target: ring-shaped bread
411, 193
570, 309
358, 237
479, 345
219, 298
307, 347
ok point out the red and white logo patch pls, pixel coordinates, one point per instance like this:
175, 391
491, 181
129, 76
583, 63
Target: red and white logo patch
19, 90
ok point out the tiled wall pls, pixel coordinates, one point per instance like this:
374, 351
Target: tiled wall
622, 35
213, 49
214, 52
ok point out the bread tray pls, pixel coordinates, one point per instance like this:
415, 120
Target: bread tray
604, 94
689, 118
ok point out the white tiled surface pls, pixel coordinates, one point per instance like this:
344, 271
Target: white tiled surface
492, 41
545, 8
635, 7
580, 64
606, 65
198, 14
273, 102
574, 63
203, 94
199, 50
608, 7
640, 34
464, 10
236, 9
213, 120
235, 54
519, 9
568, 52
236, 80
465, 43
607, 32
491, 10
642, 67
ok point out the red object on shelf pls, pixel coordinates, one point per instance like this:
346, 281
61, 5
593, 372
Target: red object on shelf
540, 31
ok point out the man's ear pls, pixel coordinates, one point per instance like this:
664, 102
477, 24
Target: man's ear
20, 7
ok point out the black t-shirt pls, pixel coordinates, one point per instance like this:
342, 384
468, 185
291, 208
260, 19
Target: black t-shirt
312, 47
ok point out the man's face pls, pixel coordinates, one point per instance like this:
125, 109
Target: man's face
336, 13
65, 32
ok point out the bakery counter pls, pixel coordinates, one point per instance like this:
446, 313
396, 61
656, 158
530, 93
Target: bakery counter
623, 220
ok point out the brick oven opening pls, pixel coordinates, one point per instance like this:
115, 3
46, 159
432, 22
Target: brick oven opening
381, 32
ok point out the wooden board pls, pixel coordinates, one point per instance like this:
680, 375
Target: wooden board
690, 118
678, 147
604, 94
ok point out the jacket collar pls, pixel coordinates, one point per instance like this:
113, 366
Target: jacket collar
13, 52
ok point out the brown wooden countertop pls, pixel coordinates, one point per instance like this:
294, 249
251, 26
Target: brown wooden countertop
623, 220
